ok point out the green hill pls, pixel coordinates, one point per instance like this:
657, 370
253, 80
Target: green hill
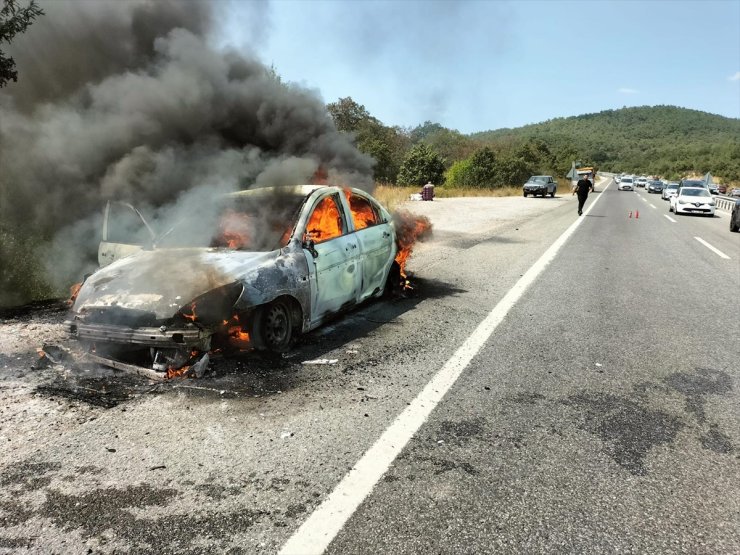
660, 140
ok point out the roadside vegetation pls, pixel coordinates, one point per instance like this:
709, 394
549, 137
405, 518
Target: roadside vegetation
665, 141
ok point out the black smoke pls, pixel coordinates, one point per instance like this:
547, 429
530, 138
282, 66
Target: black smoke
130, 100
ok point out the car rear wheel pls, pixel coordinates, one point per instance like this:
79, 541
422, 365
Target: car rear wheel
273, 326
733, 226
552, 193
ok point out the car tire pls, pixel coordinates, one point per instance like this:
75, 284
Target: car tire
734, 228
393, 284
273, 326
552, 193
525, 195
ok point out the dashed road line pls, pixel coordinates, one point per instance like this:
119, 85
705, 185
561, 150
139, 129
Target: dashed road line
653, 206
713, 249
322, 526
671, 219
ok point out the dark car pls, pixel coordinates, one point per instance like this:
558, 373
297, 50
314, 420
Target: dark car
693, 183
540, 185
722, 189
735, 217
655, 187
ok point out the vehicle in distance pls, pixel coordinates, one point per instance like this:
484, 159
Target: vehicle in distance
735, 192
713, 188
693, 183
626, 184
540, 185
735, 217
641, 182
669, 190
655, 187
722, 189
258, 266
692, 200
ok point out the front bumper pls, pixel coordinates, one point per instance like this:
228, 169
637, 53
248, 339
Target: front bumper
177, 337
535, 190
693, 209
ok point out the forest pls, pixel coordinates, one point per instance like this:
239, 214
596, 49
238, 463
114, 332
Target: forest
666, 141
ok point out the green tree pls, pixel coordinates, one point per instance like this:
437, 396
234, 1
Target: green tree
420, 166
483, 168
348, 114
14, 20
383, 143
459, 174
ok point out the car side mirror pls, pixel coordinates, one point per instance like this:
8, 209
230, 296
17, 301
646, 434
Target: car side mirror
310, 245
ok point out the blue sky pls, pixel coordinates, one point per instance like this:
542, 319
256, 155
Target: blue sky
478, 65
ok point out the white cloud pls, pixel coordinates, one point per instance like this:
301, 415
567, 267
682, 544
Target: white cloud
626, 90
735, 77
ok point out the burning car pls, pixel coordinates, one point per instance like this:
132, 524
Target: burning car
257, 269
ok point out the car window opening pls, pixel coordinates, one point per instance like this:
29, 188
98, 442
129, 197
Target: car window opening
326, 221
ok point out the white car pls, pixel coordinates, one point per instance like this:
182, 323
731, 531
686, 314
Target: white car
669, 191
692, 200
626, 184
641, 182
264, 266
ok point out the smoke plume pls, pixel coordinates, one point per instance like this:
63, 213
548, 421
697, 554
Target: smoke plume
128, 100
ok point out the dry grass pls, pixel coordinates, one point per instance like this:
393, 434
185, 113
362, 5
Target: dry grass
391, 196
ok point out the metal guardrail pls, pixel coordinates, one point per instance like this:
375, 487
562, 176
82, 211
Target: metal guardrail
725, 203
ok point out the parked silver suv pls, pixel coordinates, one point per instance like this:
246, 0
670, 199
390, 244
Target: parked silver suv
540, 185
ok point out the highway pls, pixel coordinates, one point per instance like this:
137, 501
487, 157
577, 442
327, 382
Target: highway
554, 384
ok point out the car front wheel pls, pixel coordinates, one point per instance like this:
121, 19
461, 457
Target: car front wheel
273, 326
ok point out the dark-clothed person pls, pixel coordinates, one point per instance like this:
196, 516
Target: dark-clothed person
582, 188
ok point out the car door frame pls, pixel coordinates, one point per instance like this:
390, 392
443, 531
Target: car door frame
109, 251
335, 272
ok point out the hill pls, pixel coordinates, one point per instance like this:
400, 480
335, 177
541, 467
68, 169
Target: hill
661, 140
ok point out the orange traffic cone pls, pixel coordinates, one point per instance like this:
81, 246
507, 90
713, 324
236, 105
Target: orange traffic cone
637, 214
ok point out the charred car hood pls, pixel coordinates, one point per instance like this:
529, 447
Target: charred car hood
162, 281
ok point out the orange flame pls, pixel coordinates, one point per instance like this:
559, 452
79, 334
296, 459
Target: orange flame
410, 228
183, 370
320, 176
188, 312
73, 292
363, 214
325, 222
235, 230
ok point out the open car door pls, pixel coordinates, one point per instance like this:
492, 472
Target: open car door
125, 232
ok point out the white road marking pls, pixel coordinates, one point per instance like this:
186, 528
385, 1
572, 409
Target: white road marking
653, 206
713, 249
322, 526
671, 219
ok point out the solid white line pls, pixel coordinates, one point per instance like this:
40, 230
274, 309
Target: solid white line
322, 526
713, 249
671, 219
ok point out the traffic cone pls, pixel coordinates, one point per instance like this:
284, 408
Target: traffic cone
637, 214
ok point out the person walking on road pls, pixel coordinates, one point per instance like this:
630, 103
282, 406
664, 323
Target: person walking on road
582, 188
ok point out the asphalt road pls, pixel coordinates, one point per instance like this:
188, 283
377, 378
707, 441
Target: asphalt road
600, 416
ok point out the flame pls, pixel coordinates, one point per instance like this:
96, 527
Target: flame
320, 176
410, 228
73, 292
183, 370
235, 230
325, 222
363, 214
188, 312
238, 336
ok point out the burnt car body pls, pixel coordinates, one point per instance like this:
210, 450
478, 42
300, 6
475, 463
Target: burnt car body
270, 264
